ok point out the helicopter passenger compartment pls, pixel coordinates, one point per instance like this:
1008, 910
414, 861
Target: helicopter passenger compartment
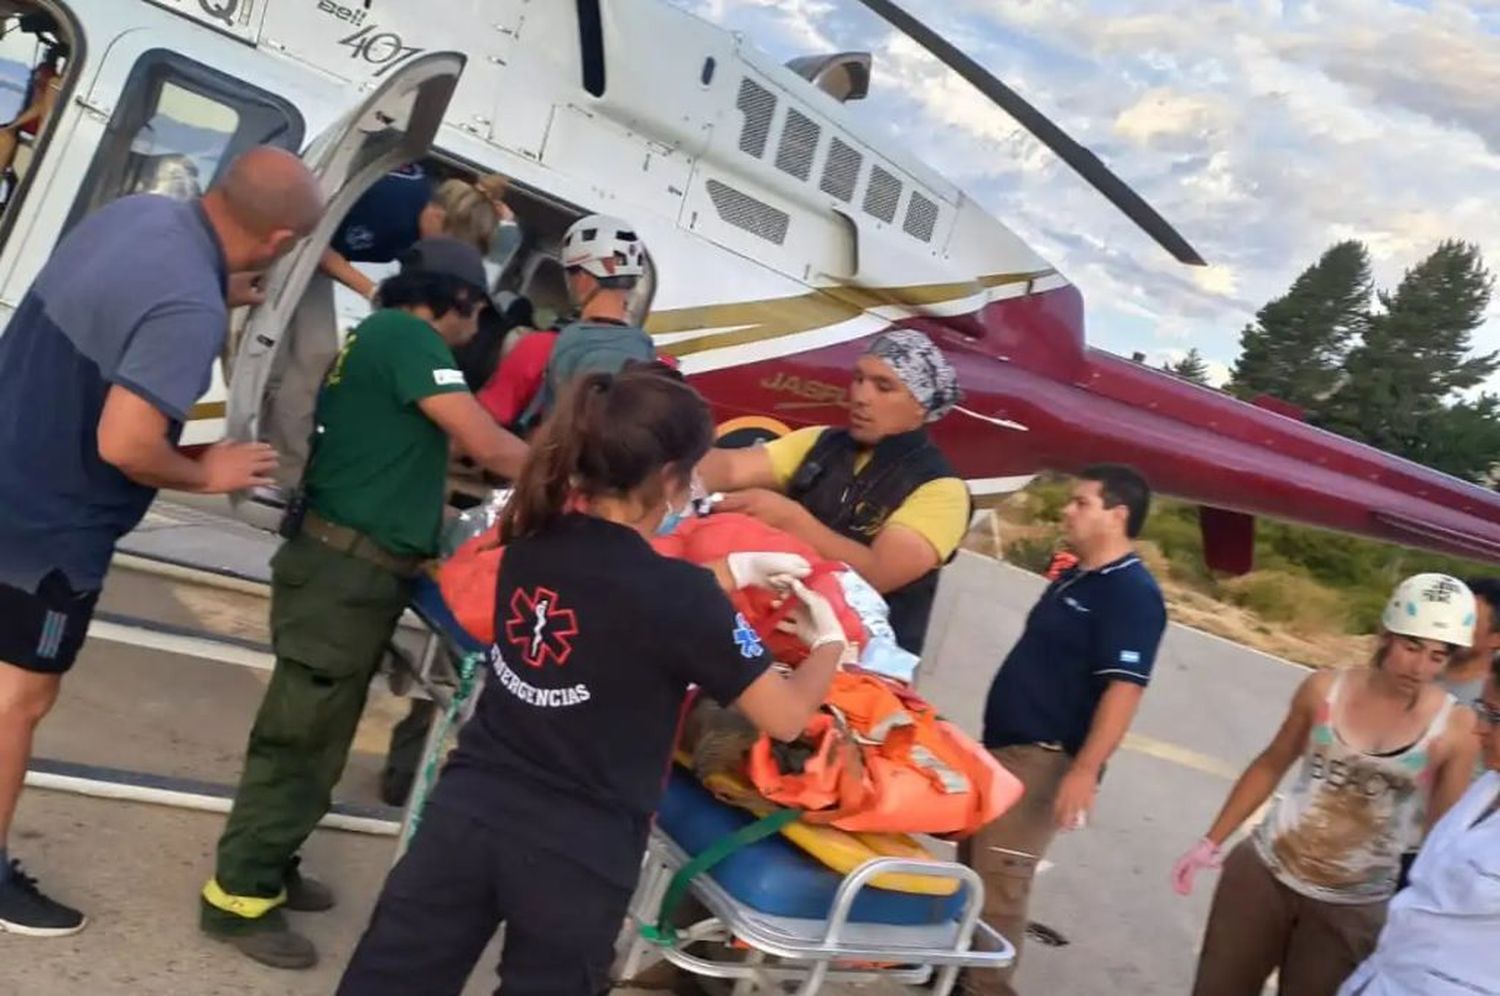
528, 289
37, 68
526, 266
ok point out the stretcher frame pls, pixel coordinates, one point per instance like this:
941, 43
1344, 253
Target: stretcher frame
782, 950
786, 950
435, 674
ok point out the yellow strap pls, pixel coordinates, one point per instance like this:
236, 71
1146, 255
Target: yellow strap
249, 907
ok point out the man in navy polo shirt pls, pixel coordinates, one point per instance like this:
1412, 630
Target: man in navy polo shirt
99, 366
1065, 696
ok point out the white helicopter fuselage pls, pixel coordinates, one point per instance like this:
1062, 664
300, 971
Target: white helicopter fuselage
776, 222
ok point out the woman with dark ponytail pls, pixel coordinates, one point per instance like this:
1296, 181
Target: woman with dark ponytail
541, 816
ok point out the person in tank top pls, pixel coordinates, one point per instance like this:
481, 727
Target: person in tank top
1385, 752
1439, 939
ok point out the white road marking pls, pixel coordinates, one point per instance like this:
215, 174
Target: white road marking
186, 646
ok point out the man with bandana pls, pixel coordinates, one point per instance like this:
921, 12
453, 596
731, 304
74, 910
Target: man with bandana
877, 495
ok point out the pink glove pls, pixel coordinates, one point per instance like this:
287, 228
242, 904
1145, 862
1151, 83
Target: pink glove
1204, 855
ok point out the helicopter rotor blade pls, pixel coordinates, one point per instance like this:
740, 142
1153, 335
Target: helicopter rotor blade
1083, 162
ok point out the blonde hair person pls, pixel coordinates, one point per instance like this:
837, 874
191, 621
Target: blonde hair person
410, 204
463, 211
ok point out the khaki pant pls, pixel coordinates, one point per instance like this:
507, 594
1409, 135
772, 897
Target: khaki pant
1258, 925
1005, 854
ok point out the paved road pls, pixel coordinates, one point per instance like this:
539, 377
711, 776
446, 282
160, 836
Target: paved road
1211, 707
137, 868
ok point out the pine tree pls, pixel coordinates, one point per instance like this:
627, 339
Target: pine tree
1462, 439
1295, 347
1414, 356
1191, 367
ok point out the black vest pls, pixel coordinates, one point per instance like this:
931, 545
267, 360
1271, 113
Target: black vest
857, 506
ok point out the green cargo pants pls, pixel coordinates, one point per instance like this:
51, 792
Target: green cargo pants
331, 618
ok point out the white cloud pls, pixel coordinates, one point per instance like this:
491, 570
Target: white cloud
1164, 113
1263, 130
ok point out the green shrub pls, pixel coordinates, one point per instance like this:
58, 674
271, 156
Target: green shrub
1032, 553
1173, 526
1294, 600
1050, 495
1347, 578
1364, 607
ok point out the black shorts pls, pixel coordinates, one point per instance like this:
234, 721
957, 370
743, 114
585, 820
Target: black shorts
43, 632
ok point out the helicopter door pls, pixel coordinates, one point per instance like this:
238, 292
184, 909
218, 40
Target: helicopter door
395, 125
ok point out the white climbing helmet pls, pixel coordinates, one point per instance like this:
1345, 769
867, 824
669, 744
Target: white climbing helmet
1432, 607
605, 246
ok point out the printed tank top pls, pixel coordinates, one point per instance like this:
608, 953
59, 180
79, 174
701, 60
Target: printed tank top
1338, 834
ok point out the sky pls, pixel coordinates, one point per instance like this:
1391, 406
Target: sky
1264, 131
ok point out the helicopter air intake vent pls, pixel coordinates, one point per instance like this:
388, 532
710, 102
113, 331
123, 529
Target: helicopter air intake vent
799, 143
921, 217
841, 173
883, 195
759, 106
743, 211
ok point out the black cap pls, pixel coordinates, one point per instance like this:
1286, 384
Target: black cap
448, 257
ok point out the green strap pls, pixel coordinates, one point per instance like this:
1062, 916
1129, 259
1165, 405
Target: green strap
468, 668
662, 932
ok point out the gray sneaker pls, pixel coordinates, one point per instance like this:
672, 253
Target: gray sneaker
25, 910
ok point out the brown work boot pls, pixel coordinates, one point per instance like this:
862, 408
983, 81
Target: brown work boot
267, 939
304, 894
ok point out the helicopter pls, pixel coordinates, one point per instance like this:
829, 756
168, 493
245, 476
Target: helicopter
783, 232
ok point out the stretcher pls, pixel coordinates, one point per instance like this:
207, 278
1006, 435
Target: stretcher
776, 917
764, 953
450, 671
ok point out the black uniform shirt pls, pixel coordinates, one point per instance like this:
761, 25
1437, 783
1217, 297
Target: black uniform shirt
597, 639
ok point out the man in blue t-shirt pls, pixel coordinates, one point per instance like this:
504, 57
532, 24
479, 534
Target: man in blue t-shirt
99, 367
1065, 696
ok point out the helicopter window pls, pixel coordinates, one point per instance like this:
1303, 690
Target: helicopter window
759, 106
921, 217
41, 70
165, 159
178, 124
841, 172
883, 196
743, 211
799, 143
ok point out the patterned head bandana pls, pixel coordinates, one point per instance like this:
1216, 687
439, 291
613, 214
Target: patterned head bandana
922, 367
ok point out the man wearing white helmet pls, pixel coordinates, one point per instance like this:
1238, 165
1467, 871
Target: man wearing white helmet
604, 260
1385, 753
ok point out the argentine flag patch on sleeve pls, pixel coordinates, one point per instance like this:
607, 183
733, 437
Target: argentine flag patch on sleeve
1130, 657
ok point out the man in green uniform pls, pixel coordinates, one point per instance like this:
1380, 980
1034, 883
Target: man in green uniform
375, 484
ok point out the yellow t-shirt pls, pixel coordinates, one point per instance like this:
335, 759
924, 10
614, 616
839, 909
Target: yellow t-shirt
938, 511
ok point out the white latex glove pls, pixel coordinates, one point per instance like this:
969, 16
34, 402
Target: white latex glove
813, 618
760, 570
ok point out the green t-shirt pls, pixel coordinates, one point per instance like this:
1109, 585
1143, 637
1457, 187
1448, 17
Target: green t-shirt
379, 464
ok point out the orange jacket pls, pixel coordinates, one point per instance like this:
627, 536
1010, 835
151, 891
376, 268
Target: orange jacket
884, 762
468, 578
712, 538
